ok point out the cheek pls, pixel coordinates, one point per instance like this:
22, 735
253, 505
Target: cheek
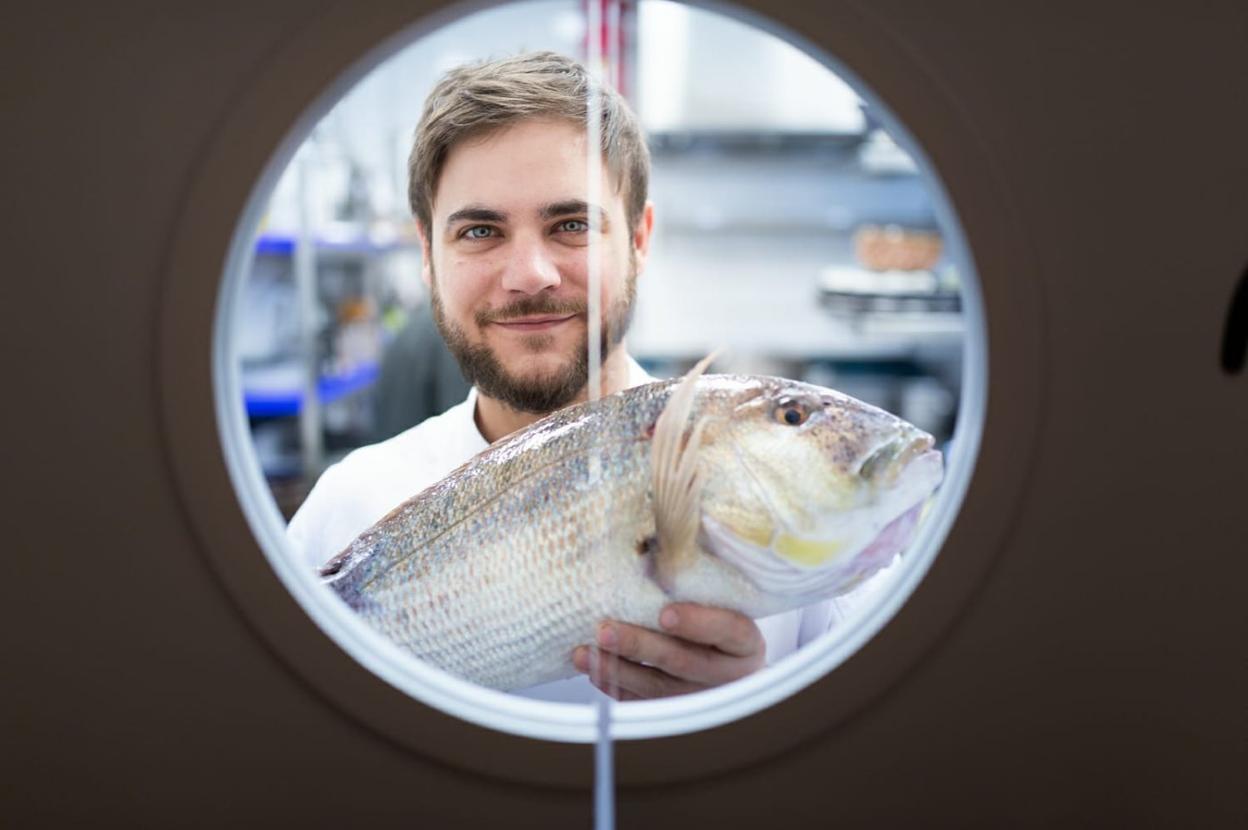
615, 271
573, 263
464, 285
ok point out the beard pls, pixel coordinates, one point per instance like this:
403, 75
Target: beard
543, 393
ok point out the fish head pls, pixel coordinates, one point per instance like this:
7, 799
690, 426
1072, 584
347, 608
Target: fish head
808, 490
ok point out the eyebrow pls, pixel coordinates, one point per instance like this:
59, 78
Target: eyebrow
571, 206
475, 214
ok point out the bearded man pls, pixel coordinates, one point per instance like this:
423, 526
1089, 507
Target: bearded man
498, 183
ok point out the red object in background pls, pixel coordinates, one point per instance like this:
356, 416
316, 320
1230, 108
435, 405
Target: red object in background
617, 38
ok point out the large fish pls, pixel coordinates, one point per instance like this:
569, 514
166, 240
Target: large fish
751, 493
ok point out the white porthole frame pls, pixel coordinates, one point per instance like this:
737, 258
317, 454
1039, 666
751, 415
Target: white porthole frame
217, 228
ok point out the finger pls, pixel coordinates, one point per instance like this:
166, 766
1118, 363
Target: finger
729, 631
670, 655
601, 670
616, 693
625, 680
619, 695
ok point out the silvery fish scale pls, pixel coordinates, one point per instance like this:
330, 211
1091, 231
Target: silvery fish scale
499, 571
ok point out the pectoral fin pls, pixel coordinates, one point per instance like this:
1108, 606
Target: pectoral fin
676, 478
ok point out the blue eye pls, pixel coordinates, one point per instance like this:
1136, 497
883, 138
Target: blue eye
574, 225
479, 232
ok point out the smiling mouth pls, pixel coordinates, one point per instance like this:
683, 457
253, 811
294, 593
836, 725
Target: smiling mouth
532, 324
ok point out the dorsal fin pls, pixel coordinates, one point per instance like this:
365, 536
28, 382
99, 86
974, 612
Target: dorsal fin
676, 478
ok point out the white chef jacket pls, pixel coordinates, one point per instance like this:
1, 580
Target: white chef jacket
352, 495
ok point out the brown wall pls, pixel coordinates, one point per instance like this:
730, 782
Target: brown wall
1097, 677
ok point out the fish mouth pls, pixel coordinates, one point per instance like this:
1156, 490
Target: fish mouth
917, 471
891, 458
912, 474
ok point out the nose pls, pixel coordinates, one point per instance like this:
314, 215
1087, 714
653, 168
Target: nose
530, 269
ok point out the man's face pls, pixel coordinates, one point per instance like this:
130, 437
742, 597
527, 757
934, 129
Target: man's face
506, 260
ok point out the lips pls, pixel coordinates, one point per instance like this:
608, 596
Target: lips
892, 458
535, 323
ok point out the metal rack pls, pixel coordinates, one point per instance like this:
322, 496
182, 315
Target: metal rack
300, 380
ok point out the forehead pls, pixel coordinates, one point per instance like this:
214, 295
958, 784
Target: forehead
518, 167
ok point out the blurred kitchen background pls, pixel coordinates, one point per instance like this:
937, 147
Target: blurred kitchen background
789, 228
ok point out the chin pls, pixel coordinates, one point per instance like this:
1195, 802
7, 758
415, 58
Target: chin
552, 349
539, 364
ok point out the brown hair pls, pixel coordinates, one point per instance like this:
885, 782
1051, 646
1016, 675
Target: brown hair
479, 98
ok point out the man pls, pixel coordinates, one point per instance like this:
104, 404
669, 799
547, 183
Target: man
498, 184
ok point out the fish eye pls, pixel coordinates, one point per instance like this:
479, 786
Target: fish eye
791, 412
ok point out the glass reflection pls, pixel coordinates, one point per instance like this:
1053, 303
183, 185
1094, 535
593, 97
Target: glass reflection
789, 228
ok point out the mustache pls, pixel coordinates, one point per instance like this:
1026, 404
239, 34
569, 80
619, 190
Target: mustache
530, 307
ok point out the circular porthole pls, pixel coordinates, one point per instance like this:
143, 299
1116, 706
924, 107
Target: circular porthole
877, 293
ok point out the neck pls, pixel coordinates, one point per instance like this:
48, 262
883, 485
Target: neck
497, 420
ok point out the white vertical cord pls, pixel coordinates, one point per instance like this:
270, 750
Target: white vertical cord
604, 783
613, 43
311, 444
593, 131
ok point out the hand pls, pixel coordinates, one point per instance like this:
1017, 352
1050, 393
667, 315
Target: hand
702, 647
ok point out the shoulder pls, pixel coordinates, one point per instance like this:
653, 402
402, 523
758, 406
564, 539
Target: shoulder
399, 467
369, 482
637, 376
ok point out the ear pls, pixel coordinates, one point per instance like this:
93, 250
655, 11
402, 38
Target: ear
642, 233
426, 254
